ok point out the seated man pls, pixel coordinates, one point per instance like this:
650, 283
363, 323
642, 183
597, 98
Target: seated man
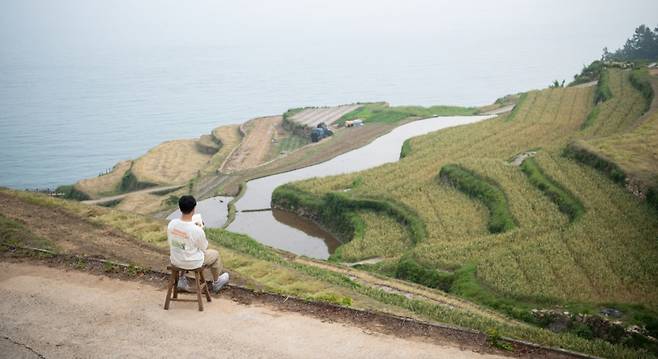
188, 246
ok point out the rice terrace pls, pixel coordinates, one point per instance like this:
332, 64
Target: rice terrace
523, 228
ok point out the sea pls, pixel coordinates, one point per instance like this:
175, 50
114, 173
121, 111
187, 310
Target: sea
85, 84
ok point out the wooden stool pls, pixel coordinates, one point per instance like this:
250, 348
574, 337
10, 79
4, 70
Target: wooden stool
201, 285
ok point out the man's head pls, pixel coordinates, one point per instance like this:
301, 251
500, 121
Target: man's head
186, 204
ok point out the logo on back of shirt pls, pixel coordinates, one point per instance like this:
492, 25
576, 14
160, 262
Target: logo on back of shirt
178, 238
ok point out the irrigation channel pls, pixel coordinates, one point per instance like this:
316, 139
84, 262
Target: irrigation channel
287, 231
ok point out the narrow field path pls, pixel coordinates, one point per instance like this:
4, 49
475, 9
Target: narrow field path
104, 200
53, 313
407, 289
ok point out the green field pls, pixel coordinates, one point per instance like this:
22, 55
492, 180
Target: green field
382, 112
579, 238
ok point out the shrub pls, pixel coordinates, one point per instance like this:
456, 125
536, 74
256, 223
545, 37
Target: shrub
484, 190
70, 192
602, 92
129, 182
565, 200
639, 80
406, 149
611, 169
409, 269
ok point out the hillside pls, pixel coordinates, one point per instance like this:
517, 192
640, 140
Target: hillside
76, 235
551, 232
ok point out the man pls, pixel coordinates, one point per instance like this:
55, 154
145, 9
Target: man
188, 246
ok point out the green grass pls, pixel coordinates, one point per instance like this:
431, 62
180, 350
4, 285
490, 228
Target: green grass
565, 200
591, 118
639, 78
406, 149
603, 92
14, 234
482, 189
522, 99
382, 112
291, 143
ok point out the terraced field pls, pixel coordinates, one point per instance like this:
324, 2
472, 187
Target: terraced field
105, 184
171, 162
609, 254
634, 151
311, 117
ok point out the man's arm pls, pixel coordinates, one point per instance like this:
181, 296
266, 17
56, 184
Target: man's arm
201, 241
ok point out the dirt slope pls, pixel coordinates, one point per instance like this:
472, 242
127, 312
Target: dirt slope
73, 235
64, 314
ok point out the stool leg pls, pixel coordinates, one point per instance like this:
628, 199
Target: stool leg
205, 287
172, 284
198, 291
176, 276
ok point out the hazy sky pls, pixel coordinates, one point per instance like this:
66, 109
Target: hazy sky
70, 24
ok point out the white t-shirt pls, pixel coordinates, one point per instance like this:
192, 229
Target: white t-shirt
187, 242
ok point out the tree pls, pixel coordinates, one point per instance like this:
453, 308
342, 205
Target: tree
643, 45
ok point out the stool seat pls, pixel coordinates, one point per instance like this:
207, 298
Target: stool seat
172, 287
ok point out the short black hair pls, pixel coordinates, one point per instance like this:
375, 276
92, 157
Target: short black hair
186, 204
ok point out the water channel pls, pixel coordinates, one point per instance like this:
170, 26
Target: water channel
289, 232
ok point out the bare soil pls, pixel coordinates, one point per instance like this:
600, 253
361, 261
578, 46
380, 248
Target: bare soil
51, 312
71, 234
256, 145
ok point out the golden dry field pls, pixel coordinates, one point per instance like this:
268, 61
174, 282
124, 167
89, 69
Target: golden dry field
105, 184
171, 162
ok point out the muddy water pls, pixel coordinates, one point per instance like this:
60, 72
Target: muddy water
291, 233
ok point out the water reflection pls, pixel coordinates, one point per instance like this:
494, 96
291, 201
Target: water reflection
213, 210
286, 231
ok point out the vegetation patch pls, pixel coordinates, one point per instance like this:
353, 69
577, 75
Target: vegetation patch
589, 73
578, 152
565, 200
406, 148
337, 211
70, 192
382, 112
409, 269
129, 183
14, 234
591, 117
639, 78
603, 92
484, 190
522, 98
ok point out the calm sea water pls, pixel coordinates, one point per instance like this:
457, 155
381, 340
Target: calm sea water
86, 84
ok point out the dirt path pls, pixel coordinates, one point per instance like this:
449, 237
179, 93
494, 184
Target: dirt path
256, 145
104, 200
62, 314
407, 289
